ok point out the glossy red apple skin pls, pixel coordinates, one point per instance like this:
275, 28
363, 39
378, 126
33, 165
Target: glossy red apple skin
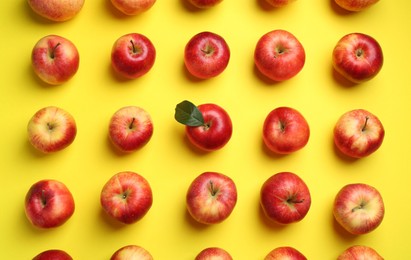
359, 208
356, 5
133, 7
206, 55
279, 55
49, 204
216, 132
51, 129
131, 252
204, 4
126, 197
357, 57
132, 55
285, 198
53, 254
56, 10
358, 133
213, 253
279, 3
284, 253
130, 128
360, 252
285, 130
211, 198
55, 59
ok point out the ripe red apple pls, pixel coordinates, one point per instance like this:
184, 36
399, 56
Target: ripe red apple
133, 7
279, 3
132, 55
285, 198
204, 4
355, 5
130, 128
357, 57
131, 252
285, 252
56, 10
206, 55
358, 133
358, 208
55, 59
285, 130
211, 197
279, 55
359, 252
208, 126
49, 204
213, 253
51, 129
53, 254
127, 197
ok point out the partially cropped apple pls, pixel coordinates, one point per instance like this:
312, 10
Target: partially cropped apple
356, 5
126, 197
279, 3
204, 4
359, 252
208, 126
213, 253
211, 197
285, 130
51, 129
132, 55
279, 55
56, 10
358, 133
131, 252
133, 7
130, 128
357, 57
285, 198
285, 253
55, 59
359, 208
53, 254
206, 55
49, 204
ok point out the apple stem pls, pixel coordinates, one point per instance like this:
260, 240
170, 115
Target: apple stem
54, 50
132, 123
365, 124
135, 50
212, 190
208, 49
358, 207
43, 198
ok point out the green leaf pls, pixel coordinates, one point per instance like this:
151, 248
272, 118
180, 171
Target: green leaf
188, 114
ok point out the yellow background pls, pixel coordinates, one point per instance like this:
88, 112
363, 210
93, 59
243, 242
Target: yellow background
168, 162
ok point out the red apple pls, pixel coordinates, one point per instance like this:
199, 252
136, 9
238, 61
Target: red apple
359, 252
51, 129
358, 208
213, 253
131, 252
55, 59
208, 126
127, 197
211, 197
53, 254
130, 128
206, 55
49, 204
132, 55
285, 198
204, 4
285, 130
279, 3
133, 7
279, 55
284, 253
56, 10
355, 5
357, 57
358, 133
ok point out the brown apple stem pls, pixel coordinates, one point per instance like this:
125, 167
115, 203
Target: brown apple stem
212, 190
365, 124
131, 125
361, 206
292, 199
135, 50
54, 50
43, 198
